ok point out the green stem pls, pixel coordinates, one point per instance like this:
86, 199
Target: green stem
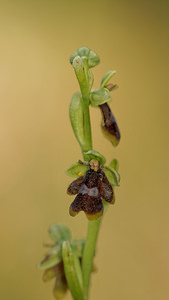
88, 254
81, 70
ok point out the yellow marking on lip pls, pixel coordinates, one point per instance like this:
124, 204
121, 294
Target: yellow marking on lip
80, 173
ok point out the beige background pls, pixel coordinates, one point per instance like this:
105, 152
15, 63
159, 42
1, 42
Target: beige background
37, 142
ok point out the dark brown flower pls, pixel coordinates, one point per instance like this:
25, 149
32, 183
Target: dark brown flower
90, 190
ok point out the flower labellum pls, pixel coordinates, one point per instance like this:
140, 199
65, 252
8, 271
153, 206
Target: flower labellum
109, 126
90, 190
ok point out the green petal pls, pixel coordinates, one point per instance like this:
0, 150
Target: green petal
52, 258
99, 97
76, 170
106, 78
114, 164
112, 175
92, 154
59, 233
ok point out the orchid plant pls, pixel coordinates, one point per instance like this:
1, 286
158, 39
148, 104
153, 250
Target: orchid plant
70, 262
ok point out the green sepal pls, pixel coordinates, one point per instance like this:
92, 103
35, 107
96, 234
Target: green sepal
77, 169
78, 246
59, 233
52, 258
71, 272
106, 78
114, 164
93, 58
76, 117
99, 97
112, 175
92, 154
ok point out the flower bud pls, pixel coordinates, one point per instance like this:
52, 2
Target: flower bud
93, 58
109, 126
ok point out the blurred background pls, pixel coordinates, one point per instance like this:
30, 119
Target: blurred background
38, 144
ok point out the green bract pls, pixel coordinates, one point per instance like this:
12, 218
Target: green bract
92, 154
77, 169
76, 117
59, 233
106, 78
91, 79
112, 175
72, 276
79, 69
100, 96
93, 58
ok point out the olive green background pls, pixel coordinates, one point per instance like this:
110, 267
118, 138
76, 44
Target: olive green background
37, 141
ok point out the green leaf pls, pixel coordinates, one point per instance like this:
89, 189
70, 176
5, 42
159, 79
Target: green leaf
114, 164
112, 175
76, 117
92, 154
71, 272
98, 97
59, 233
106, 78
76, 170
52, 258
